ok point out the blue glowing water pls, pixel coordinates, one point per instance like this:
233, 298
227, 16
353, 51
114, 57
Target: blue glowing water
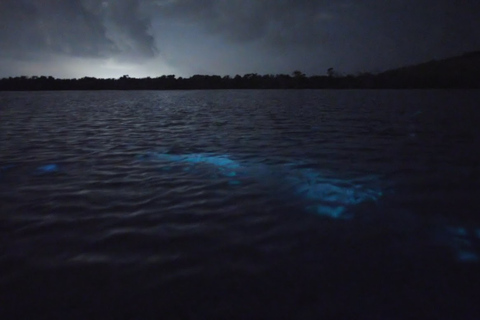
48, 168
240, 205
333, 196
222, 163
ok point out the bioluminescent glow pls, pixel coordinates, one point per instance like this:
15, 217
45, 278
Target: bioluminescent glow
6, 168
331, 211
219, 161
222, 163
331, 197
49, 168
459, 239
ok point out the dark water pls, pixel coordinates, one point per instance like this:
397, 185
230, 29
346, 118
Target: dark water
240, 205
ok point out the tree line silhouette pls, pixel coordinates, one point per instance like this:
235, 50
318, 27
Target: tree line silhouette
457, 72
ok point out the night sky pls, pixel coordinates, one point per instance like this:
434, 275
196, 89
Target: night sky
141, 38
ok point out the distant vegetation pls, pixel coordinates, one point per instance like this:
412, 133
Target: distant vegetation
457, 72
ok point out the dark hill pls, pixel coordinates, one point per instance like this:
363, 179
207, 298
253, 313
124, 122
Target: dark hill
456, 72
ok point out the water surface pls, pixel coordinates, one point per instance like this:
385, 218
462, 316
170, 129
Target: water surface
239, 204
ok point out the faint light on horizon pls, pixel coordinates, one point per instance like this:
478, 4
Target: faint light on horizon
110, 68
69, 67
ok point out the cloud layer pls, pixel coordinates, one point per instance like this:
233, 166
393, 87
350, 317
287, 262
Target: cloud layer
87, 28
232, 36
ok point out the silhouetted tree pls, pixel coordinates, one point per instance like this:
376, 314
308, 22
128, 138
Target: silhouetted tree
330, 72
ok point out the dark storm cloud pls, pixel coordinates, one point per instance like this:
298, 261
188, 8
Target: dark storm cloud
128, 24
227, 36
354, 36
78, 28
277, 22
306, 22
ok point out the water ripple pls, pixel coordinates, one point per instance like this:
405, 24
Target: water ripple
158, 194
